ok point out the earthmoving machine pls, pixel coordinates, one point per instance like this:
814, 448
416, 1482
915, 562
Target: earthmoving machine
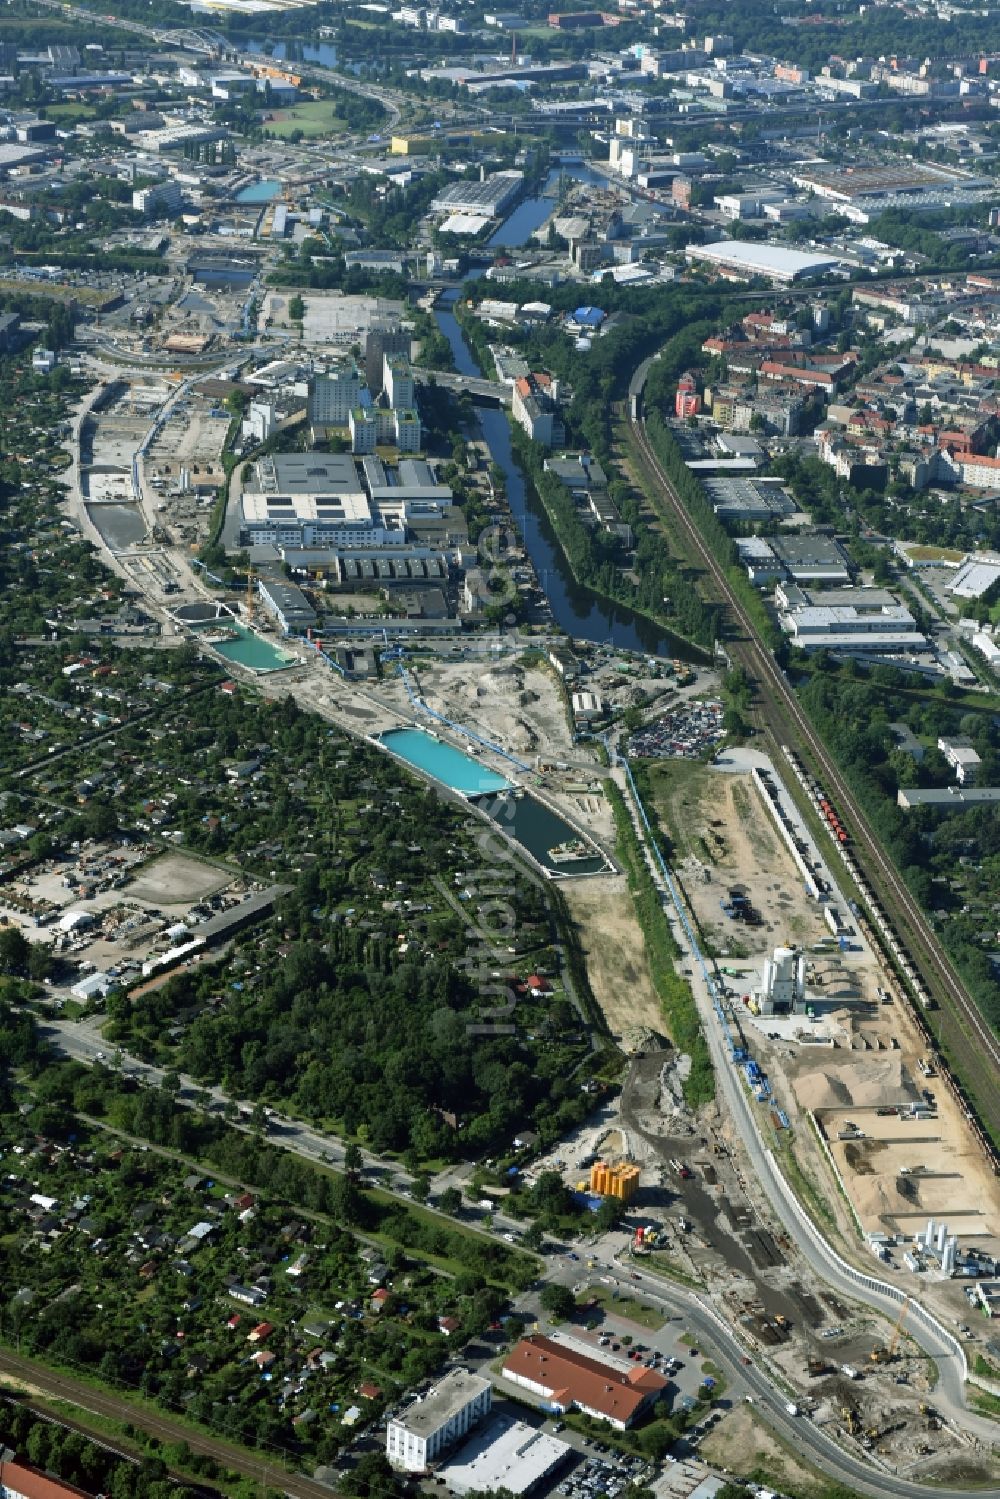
885, 1353
852, 1424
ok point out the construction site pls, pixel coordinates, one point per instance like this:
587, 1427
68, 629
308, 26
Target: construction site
875, 1146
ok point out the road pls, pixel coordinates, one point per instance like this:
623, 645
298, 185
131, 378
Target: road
82, 1041
801, 1434
950, 1392
976, 1048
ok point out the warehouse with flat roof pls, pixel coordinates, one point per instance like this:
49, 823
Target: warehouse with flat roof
506, 1454
745, 259
488, 198
951, 799
749, 499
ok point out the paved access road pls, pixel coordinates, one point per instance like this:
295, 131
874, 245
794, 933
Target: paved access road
82, 1041
801, 1434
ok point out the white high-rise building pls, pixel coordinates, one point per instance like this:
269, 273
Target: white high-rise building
431, 1424
334, 395
397, 382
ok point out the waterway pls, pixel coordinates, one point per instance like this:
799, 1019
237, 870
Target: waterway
531, 213
259, 192
325, 54
578, 611
442, 761
523, 817
216, 276
539, 830
248, 649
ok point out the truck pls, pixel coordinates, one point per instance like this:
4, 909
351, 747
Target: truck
792, 1408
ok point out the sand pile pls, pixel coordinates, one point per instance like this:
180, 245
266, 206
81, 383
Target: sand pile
876, 1197
870, 1082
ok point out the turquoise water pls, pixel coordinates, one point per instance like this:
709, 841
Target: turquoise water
450, 766
250, 650
259, 192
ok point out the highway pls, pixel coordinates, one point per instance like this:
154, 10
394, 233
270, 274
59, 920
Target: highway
973, 1042
82, 1041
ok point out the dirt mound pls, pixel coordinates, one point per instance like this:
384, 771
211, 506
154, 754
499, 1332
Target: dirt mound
862, 1083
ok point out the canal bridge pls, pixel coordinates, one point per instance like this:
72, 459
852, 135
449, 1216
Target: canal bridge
483, 392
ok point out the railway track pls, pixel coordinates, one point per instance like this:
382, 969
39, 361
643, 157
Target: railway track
259, 1467
975, 1049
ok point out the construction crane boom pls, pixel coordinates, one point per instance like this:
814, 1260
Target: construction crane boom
897, 1330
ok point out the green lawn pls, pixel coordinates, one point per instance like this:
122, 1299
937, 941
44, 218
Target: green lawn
317, 117
626, 1307
69, 114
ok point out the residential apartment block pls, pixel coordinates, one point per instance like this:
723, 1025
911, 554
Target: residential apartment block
436, 1421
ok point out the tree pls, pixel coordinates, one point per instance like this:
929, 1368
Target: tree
421, 1187
609, 1214
296, 309
15, 950
558, 1301
353, 1159
550, 1194
346, 1202
533, 1236
371, 1478
450, 1200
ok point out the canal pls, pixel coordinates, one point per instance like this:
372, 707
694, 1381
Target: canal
578, 611
531, 213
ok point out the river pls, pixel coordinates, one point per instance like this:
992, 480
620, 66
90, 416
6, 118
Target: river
578, 611
325, 54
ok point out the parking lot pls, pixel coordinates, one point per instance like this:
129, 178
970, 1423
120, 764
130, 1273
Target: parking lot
606, 1472
688, 732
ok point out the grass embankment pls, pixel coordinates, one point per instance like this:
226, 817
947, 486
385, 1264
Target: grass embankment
673, 991
600, 1298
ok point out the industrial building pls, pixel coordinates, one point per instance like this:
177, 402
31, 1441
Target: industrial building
569, 1380
749, 499
783, 983
506, 1454
812, 558
951, 799
287, 605
488, 198
853, 631
975, 576
437, 1420
849, 184
746, 259
620, 1180
310, 499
